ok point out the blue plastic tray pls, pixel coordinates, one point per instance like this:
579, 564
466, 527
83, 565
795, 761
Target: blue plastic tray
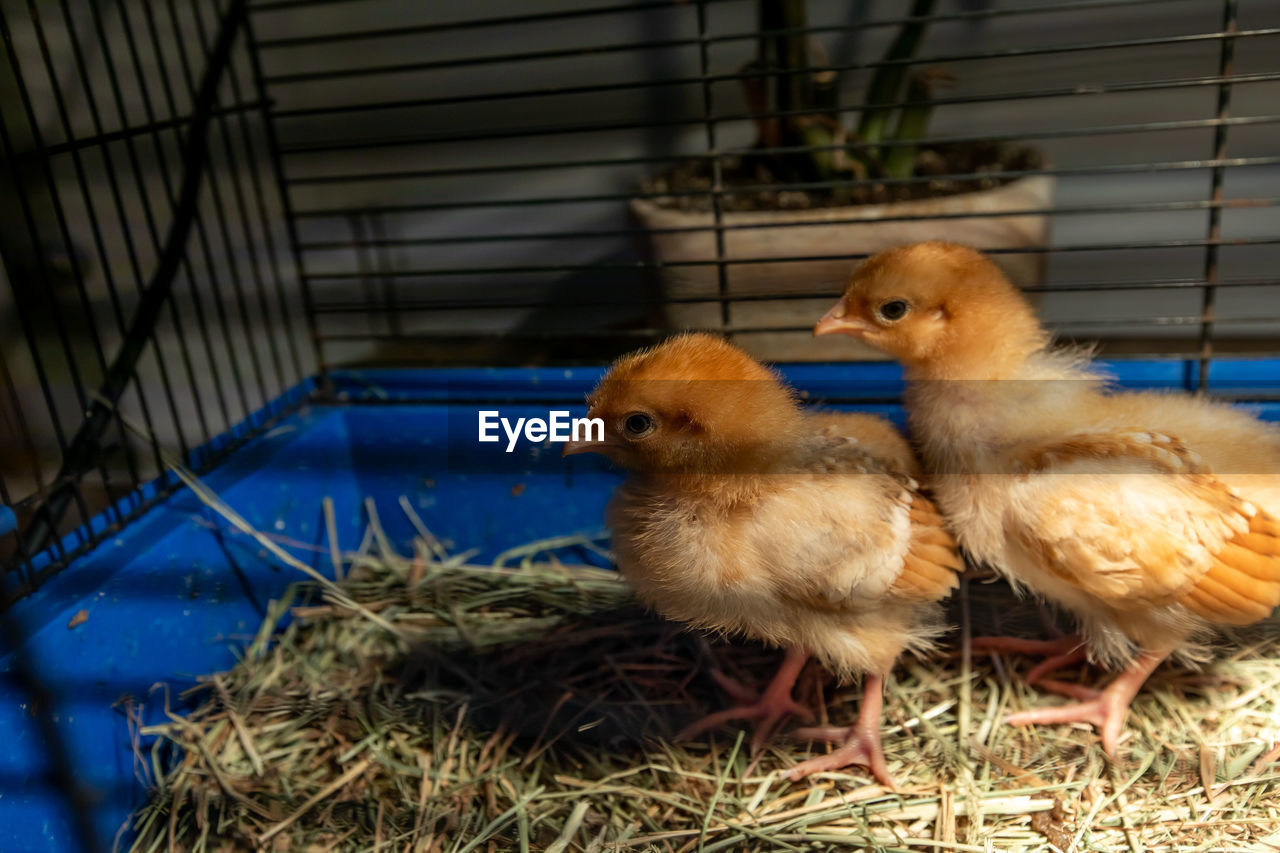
176, 592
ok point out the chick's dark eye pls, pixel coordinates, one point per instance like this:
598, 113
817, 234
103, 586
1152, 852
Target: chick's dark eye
894, 309
638, 424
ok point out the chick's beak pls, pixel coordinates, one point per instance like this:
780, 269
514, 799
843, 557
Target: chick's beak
839, 320
587, 444
571, 448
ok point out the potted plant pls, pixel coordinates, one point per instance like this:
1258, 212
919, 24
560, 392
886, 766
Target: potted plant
811, 186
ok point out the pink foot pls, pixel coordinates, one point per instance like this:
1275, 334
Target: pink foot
1056, 662
1058, 653
1105, 710
737, 691
1261, 764
859, 743
768, 709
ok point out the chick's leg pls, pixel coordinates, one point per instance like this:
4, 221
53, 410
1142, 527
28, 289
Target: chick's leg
859, 743
1106, 709
768, 709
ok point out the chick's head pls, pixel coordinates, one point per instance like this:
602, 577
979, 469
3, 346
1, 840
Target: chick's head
692, 403
935, 306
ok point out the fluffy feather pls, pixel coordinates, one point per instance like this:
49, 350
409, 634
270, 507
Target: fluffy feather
1151, 516
744, 515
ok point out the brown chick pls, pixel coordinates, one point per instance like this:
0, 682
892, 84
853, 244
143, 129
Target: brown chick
744, 515
1150, 516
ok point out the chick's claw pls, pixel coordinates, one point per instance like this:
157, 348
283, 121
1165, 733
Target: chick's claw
860, 743
1103, 712
1058, 653
769, 709
1104, 709
737, 691
1057, 662
1072, 691
769, 714
823, 734
860, 747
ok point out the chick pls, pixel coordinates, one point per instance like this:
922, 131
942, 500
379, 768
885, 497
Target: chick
744, 515
1152, 517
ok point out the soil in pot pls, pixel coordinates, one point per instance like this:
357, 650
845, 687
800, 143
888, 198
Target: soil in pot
751, 180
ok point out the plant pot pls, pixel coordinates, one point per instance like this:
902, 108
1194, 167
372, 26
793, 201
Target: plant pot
827, 231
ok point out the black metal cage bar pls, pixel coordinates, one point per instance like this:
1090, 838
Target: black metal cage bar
411, 173
212, 203
215, 200
142, 249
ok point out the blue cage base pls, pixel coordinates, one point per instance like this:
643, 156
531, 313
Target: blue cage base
177, 592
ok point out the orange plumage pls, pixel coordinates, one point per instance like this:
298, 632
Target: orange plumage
1151, 516
745, 515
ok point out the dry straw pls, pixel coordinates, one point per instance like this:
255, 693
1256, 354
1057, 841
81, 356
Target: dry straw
428, 704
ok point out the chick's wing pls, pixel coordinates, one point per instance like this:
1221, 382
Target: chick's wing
1135, 519
847, 541
932, 562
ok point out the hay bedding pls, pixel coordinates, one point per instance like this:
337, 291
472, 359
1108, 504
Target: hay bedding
426, 704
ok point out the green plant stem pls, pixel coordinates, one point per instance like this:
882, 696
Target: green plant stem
823, 159
900, 160
887, 80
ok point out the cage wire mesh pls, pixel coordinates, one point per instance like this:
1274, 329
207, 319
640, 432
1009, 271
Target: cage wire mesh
503, 189
507, 175
209, 202
148, 308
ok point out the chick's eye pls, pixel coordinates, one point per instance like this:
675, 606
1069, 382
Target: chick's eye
894, 309
638, 424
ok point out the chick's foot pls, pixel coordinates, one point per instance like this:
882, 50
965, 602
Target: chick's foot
859, 743
1104, 709
768, 709
1058, 653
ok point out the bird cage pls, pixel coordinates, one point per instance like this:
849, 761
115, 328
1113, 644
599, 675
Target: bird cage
292, 247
